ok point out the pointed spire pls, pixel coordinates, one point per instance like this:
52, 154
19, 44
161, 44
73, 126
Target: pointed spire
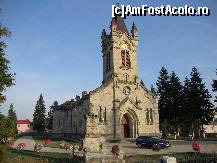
134, 27
134, 31
103, 32
119, 22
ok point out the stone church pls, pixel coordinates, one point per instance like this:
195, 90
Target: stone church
122, 107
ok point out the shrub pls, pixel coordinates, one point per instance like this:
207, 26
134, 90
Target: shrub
47, 142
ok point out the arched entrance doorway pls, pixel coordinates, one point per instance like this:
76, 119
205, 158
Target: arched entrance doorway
128, 124
125, 127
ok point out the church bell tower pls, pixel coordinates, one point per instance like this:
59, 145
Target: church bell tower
119, 50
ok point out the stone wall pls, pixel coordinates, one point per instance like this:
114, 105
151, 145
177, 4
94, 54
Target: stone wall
71, 121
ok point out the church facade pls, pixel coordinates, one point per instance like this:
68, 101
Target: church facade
122, 107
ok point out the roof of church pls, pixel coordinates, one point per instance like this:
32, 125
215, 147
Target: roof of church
118, 20
71, 104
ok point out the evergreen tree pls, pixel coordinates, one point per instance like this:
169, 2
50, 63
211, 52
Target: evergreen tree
175, 102
187, 123
214, 86
50, 115
39, 117
6, 78
12, 120
153, 90
5, 131
162, 92
8, 125
198, 105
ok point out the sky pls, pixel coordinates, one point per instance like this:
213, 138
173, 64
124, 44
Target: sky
55, 46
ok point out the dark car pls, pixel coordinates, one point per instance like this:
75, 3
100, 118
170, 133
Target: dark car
152, 142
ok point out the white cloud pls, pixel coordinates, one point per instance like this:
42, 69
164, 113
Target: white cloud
208, 25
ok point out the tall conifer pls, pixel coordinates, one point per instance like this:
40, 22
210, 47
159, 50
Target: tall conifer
214, 86
39, 117
199, 107
12, 120
162, 92
175, 102
153, 90
50, 115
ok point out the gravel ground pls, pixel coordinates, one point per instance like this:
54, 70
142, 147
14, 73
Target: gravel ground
28, 140
29, 145
129, 148
181, 146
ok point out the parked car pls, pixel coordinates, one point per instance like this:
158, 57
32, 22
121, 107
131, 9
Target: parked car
152, 142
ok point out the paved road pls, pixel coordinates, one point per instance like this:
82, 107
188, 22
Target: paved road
28, 140
29, 145
129, 148
177, 146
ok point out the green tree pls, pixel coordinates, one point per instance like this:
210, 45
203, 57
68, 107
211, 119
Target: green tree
8, 125
12, 120
50, 115
153, 90
162, 92
6, 78
198, 107
175, 102
5, 131
214, 86
39, 117
187, 124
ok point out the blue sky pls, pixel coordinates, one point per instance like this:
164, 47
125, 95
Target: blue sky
55, 46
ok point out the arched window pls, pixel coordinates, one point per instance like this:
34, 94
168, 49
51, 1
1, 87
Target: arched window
151, 116
147, 116
125, 58
100, 114
126, 77
71, 118
105, 114
59, 123
81, 122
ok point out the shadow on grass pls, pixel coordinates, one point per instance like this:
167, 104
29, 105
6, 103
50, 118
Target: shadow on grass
51, 157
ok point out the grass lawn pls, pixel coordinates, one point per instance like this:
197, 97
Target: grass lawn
54, 142
23, 156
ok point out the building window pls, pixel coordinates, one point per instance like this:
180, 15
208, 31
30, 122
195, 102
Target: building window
108, 61
81, 122
71, 118
147, 116
125, 58
126, 77
67, 115
59, 123
151, 116
18, 125
100, 114
105, 114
